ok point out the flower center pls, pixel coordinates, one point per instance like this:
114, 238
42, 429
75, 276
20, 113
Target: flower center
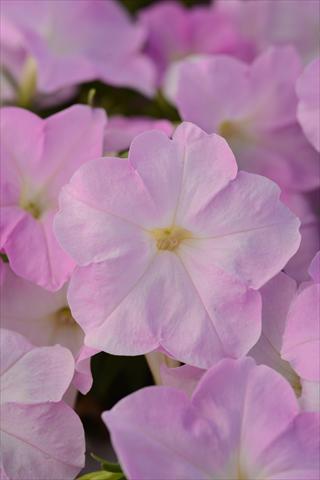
232, 131
170, 238
32, 208
241, 474
33, 201
64, 317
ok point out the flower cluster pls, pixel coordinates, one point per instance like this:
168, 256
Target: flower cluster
160, 180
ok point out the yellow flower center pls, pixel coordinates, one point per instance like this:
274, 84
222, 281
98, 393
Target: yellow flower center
64, 317
170, 238
241, 474
33, 200
232, 131
32, 208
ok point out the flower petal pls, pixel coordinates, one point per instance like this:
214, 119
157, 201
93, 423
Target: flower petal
41, 441
41, 374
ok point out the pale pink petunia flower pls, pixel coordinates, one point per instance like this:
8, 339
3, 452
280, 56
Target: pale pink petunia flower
175, 32
305, 206
120, 131
314, 269
64, 43
254, 108
44, 318
184, 377
301, 337
37, 158
308, 91
275, 22
171, 246
41, 436
289, 342
241, 422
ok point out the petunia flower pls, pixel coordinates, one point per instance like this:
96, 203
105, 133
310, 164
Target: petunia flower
66, 43
301, 337
41, 436
175, 32
305, 206
308, 91
289, 342
44, 318
254, 108
263, 23
37, 158
171, 246
242, 422
184, 377
120, 131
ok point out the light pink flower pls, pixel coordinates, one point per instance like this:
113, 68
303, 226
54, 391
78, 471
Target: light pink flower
41, 436
37, 158
120, 131
305, 206
301, 337
266, 22
184, 377
314, 269
308, 91
175, 31
289, 342
172, 245
44, 318
254, 108
241, 422
76, 41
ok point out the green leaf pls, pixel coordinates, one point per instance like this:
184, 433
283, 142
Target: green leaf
91, 95
123, 154
102, 475
106, 465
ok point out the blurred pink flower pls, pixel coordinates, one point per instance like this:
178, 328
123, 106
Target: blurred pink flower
305, 206
289, 342
44, 318
71, 42
281, 22
172, 245
242, 421
314, 269
301, 337
37, 158
120, 131
41, 436
184, 377
175, 31
254, 108
308, 91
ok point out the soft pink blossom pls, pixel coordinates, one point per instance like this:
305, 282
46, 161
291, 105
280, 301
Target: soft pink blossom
275, 22
289, 342
301, 336
37, 158
254, 108
305, 206
120, 131
44, 318
242, 421
314, 269
175, 32
71, 42
171, 246
41, 436
184, 377
308, 91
